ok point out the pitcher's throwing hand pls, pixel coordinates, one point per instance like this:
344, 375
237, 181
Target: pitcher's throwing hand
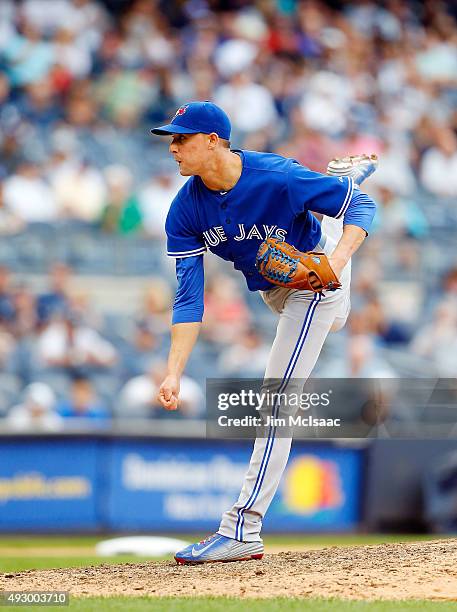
169, 393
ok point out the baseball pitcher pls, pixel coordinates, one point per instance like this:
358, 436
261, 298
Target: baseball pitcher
254, 209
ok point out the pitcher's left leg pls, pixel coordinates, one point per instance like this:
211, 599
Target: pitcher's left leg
302, 329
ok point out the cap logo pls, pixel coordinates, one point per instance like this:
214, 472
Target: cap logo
181, 110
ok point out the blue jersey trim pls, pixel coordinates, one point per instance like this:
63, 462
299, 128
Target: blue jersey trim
180, 254
347, 199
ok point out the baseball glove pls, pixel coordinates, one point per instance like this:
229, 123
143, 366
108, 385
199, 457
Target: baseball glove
283, 265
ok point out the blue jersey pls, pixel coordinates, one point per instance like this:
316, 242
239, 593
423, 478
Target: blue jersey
273, 196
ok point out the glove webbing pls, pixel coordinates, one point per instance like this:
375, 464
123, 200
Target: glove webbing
278, 255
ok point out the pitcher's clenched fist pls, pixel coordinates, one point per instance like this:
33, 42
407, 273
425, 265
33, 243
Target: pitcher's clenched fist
169, 393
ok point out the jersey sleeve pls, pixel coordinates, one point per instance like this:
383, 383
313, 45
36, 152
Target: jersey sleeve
361, 211
183, 237
188, 304
308, 190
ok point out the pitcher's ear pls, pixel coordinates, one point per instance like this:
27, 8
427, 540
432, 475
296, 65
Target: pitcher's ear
213, 140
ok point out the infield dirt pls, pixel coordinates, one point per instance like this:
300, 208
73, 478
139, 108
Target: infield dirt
418, 570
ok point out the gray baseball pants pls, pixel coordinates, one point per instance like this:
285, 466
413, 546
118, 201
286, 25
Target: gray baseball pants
305, 319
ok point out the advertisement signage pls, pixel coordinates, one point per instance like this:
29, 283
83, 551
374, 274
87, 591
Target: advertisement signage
48, 484
320, 490
175, 486
160, 485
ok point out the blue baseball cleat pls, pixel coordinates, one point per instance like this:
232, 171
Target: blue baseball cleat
358, 167
219, 548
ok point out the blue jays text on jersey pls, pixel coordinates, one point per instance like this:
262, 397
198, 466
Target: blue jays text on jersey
215, 235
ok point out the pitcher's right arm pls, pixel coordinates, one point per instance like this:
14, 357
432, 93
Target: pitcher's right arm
186, 323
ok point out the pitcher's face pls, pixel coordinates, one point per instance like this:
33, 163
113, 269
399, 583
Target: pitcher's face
190, 151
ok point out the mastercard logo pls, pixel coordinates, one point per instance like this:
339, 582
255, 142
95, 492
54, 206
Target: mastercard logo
312, 485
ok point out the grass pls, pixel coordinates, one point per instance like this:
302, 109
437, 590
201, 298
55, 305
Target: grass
222, 604
27, 541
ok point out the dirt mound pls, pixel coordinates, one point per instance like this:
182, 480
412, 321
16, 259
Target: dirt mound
388, 571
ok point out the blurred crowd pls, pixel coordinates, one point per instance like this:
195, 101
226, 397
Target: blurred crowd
69, 363
82, 82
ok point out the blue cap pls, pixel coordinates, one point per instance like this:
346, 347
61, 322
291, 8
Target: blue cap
197, 117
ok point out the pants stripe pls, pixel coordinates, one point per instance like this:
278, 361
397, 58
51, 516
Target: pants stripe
271, 434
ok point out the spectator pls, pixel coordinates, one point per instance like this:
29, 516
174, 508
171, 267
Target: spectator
28, 196
309, 147
437, 60
74, 57
395, 171
29, 57
11, 148
363, 360
326, 102
122, 213
79, 191
37, 411
7, 346
67, 343
138, 398
83, 404
56, 300
250, 105
86, 18
7, 309
437, 341
399, 217
39, 105
155, 198
234, 57
123, 92
371, 317
142, 347
81, 111
450, 283
357, 142
25, 319
156, 305
10, 223
247, 357
8, 15
89, 20
438, 169
226, 314
38, 14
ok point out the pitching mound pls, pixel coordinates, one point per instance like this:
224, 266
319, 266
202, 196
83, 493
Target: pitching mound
419, 570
